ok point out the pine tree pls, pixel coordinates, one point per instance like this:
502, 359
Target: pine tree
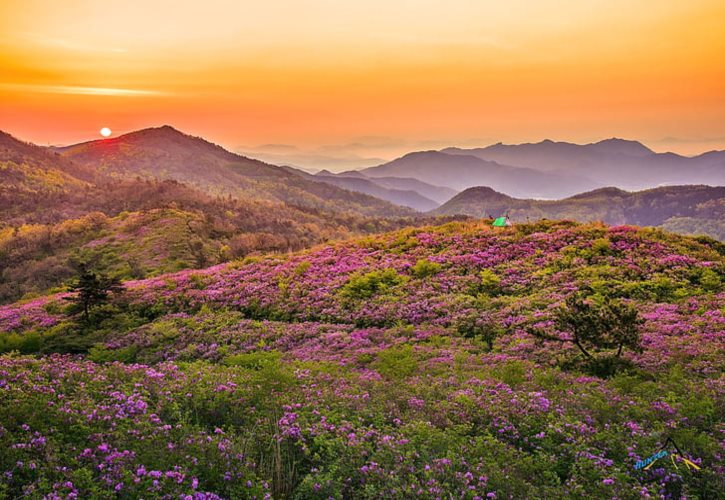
605, 325
91, 290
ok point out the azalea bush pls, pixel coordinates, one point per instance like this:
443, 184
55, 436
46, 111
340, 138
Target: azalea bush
431, 363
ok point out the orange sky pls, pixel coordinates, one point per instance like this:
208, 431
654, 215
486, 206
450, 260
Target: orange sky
369, 78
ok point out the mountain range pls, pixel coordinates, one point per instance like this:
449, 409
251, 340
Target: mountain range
463, 171
165, 153
159, 200
612, 162
544, 170
407, 192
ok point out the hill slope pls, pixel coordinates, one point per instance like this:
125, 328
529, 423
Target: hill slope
695, 209
27, 168
57, 212
378, 368
406, 198
143, 228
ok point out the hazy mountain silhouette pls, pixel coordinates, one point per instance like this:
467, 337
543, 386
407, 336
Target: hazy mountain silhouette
404, 197
617, 162
439, 194
361, 184
459, 171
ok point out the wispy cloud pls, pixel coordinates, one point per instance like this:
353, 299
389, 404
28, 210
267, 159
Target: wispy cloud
71, 45
78, 90
690, 140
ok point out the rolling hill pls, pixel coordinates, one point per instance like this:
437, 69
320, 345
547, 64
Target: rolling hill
406, 192
132, 229
687, 209
405, 198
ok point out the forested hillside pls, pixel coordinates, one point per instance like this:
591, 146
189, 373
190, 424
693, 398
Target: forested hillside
683, 209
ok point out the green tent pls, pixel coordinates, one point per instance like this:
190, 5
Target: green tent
501, 222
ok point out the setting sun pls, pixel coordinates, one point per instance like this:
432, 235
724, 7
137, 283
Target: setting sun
459, 72
105, 131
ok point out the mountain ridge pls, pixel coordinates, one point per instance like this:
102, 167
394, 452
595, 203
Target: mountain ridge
623, 163
463, 171
166, 153
701, 207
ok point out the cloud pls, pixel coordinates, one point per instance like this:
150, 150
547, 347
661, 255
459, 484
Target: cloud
690, 140
78, 90
312, 161
359, 152
272, 148
71, 45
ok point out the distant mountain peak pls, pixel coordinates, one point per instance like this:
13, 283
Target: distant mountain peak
624, 146
417, 154
609, 191
164, 131
483, 193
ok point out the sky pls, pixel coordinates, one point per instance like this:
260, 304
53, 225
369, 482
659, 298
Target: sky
330, 83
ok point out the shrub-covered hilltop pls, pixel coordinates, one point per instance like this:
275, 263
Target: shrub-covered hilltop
461, 361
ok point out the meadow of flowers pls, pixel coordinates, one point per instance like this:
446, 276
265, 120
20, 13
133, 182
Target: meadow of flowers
393, 366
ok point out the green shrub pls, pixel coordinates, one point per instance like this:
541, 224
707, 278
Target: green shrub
101, 354
397, 362
607, 366
512, 373
256, 360
479, 327
658, 289
302, 267
600, 247
26, 343
425, 268
489, 284
709, 280
364, 286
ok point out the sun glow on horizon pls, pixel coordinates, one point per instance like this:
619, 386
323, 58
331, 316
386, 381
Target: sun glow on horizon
314, 73
105, 132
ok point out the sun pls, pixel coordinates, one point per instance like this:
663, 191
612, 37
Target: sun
105, 131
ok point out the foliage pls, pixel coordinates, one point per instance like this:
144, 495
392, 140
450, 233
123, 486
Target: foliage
364, 286
396, 362
424, 268
222, 383
91, 290
482, 328
603, 324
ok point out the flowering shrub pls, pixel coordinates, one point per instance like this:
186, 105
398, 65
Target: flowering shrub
358, 370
